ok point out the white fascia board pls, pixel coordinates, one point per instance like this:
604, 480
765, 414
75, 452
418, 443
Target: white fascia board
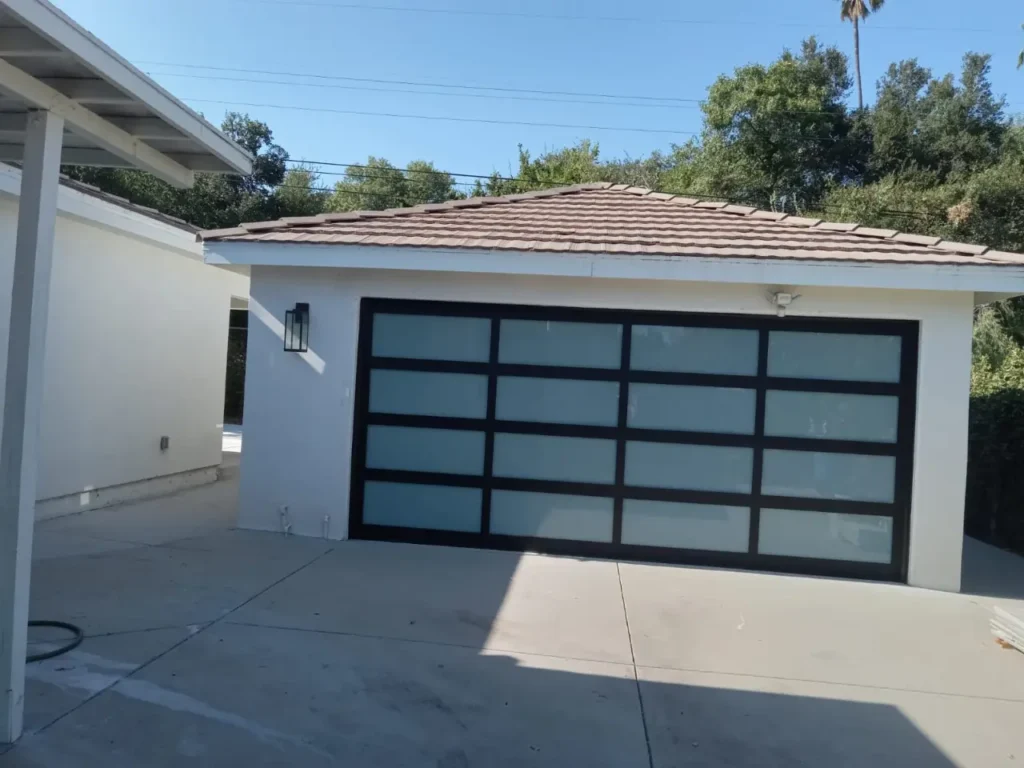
780, 272
92, 210
55, 26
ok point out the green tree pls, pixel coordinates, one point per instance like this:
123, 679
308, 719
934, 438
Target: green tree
378, 185
215, 200
425, 184
936, 128
776, 135
301, 193
854, 11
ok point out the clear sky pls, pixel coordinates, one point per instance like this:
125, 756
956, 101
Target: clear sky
639, 48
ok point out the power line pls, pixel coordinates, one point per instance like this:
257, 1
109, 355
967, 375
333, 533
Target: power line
611, 19
263, 81
445, 119
417, 83
402, 170
433, 93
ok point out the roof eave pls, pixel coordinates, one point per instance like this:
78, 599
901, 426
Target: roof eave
690, 268
52, 24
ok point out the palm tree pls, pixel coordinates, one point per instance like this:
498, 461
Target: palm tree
854, 11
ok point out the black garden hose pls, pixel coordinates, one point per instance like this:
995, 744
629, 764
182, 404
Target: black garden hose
69, 646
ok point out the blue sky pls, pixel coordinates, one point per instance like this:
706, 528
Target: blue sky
657, 55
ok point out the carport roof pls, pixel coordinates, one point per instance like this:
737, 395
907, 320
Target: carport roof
115, 116
614, 219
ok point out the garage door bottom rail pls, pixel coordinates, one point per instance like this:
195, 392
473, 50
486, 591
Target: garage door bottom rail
632, 553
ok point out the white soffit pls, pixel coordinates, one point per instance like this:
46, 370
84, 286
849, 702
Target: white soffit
115, 116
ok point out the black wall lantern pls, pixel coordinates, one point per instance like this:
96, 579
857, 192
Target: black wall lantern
296, 328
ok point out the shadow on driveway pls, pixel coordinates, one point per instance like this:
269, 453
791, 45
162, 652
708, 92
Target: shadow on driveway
242, 648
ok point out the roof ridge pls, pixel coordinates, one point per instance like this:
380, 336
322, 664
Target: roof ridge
668, 198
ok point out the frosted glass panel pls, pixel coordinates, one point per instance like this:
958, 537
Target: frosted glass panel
831, 416
425, 450
694, 350
846, 356
688, 526
693, 409
409, 505
558, 401
825, 535
543, 342
551, 516
428, 394
828, 475
693, 467
577, 459
432, 338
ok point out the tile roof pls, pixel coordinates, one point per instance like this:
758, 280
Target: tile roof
614, 219
128, 205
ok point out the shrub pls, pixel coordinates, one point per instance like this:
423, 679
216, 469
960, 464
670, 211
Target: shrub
995, 467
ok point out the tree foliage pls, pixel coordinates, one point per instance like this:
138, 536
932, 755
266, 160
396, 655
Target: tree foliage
378, 185
995, 484
215, 200
777, 135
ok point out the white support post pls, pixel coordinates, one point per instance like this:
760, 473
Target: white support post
33, 257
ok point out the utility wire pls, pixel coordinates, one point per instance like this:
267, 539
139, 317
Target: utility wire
433, 93
404, 170
418, 83
576, 17
444, 118
263, 81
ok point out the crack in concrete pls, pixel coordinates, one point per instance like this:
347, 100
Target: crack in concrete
636, 675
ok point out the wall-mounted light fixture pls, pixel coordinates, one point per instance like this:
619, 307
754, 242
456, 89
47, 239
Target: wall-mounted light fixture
296, 328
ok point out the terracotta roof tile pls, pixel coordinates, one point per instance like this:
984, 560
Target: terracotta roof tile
835, 226
903, 237
968, 248
800, 221
768, 215
742, 210
614, 219
875, 232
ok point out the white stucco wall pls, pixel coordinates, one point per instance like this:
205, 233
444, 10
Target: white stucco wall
299, 408
136, 349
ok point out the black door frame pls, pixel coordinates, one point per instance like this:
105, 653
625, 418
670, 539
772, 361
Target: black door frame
902, 450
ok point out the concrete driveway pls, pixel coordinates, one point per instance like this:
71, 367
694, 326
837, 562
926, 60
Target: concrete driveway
225, 647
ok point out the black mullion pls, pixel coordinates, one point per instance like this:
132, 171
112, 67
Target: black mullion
620, 443
611, 490
755, 482
646, 377
638, 317
841, 387
431, 366
361, 408
820, 445
489, 426
905, 440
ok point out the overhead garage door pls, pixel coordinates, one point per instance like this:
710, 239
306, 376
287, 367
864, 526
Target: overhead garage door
744, 441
